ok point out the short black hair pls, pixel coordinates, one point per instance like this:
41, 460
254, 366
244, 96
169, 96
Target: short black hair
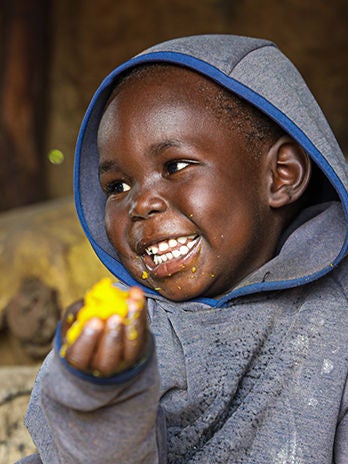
258, 129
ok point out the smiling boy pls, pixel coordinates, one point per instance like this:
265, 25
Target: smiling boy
171, 169
235, 228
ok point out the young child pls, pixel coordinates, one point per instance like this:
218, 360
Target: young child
207, 178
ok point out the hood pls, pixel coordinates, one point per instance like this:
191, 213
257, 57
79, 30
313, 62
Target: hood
257, 71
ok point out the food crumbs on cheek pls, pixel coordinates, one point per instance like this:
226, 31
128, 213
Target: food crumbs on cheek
212, 276
194, 269
145, 275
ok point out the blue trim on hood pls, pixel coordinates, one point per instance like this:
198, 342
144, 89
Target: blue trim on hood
258, 101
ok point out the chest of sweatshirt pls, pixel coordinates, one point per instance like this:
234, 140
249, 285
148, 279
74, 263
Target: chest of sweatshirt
291, 343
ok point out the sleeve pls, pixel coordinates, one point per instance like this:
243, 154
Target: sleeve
73, 420
341, 438
33, 459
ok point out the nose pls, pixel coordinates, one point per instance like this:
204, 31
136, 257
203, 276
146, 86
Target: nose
146, 203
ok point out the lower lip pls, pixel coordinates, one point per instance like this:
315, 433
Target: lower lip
175, 265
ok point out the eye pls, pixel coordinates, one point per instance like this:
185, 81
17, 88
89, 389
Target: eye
174, 166
116, 188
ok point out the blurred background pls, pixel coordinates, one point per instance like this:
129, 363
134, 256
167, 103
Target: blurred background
53, 55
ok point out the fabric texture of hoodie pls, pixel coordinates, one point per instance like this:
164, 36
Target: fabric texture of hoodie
256, 377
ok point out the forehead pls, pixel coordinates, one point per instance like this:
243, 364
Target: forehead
170, 108
169, 93
165, 75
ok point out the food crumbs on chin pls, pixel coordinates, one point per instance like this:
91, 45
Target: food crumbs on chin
212, 276
191, 215
194, 269
145, 275
158, 289
179, 287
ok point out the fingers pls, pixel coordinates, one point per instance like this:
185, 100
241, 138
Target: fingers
108, 354
136, 294
80, 353
70, 315
122, 341
107, 347
135, 327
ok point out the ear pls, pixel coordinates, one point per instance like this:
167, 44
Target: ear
289, 171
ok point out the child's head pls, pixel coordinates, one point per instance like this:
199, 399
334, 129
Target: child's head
199, 184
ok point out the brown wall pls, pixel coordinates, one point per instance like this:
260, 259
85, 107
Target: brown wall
88, 39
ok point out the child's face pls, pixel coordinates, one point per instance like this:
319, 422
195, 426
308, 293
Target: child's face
186, 208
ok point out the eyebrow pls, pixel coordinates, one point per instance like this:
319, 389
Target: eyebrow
158, 148
106, 166
155, 150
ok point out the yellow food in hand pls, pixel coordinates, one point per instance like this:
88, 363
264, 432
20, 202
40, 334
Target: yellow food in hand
102, 300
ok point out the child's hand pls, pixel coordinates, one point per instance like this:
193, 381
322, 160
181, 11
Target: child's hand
110, 346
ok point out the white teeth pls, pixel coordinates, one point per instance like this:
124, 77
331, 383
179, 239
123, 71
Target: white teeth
184, 250
163, 246
176, 253
187, 243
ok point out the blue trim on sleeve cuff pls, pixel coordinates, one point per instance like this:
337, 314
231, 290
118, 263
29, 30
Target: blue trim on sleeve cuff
117, 379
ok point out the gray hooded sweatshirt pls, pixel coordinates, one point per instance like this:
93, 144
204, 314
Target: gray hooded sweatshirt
256, 377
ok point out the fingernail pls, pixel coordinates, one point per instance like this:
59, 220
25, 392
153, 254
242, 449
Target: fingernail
113, 322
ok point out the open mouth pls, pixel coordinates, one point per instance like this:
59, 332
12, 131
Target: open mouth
166, 252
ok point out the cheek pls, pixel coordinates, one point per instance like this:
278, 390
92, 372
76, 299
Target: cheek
115, 225
210, 205
230, 224
201, 198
